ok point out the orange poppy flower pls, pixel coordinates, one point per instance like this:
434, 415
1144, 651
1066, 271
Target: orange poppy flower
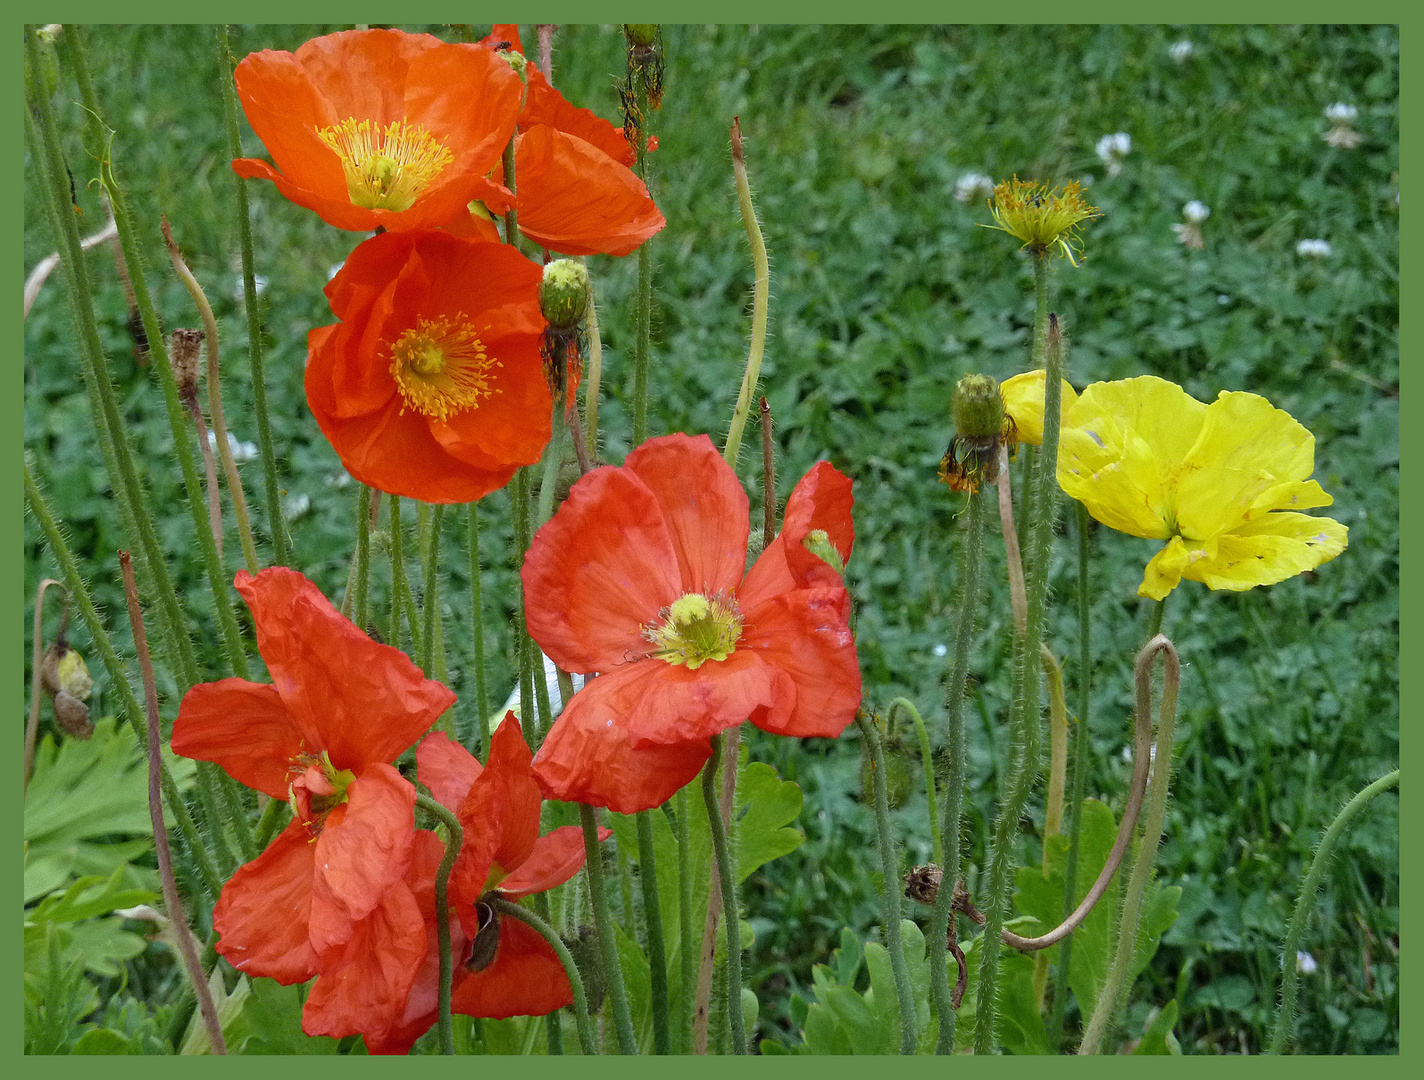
575, 192
329, 891
502, 967
639, 577
379, 128
431, 385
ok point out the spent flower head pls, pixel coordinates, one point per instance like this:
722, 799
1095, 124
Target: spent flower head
1112, 149
1042, 217
1341, 134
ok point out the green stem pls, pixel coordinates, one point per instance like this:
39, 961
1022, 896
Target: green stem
477, 616
1309, 886
1113, 995
687, 938
269, 822
281, 543
904, 993
1024, 709
402, 602
731, 917
593, 378
761, 293
430, 596
353, 604
553, 458
653, 923
642, 341
442, 915
927, 763
955, 780
1079, 783
511, 219
588, 1042
524, 645
603, 922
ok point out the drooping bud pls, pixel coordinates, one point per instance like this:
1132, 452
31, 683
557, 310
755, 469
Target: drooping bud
65, 678
564, 293
977, 408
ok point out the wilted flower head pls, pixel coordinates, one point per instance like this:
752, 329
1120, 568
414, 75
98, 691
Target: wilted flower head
1041, 217
1314, 249
1112, 149
1180, 51
973, 185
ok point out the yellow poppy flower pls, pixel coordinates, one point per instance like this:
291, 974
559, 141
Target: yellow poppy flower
1023, 400
1221, 483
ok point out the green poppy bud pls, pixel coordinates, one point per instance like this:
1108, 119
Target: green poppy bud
564, 293
978, 408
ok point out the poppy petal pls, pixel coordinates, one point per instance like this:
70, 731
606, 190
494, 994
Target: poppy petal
263, 914
446, 768
363, 849
500, 814
598, 572
575, 199
242, 726
804, 635
822, 499
704, 505
554, 859
545, 105
524, 979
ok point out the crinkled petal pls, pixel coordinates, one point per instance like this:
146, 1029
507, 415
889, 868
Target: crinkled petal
242, 726
1268, 550
500, 813
554, 859
545, 105
524, 979
363, 849
446, 768
358, 700
1023, 401
588, 757
599, 571
263, 914
804, 636
576, 200
704, 505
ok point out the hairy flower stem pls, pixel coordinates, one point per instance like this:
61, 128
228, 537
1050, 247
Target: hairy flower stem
1113, 994
118, 676
603, 922
588, 1040
1079, 783
32, 725
653, 923
155, 812
890, 865
431, 518
1310, 885
761, 293
927, 763
511, 218
524, 645
353, 600
730, 915
400, 588
1024, 708
553, 452
108, 420
642, 341
970, 581
592, 379
215, 409
442, 915
687, 939
477, 616
281, 542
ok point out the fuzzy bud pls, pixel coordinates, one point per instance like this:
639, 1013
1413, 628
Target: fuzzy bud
978, 408
516, 61
819, 544
184, 346
564, 293
65, 678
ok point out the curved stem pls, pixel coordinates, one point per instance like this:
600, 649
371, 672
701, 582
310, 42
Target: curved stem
904, 993
442, 915
32, 725
1116, 985
1290, 977
731, 918
588, 1042
603, 921
927, 762
761, 292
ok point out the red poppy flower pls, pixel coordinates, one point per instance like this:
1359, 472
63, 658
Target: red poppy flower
380, 128
431, 385
639, 577
575, 192
329, 892
503, 968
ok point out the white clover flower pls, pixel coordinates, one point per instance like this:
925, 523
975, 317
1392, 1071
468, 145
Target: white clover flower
1111, 149
1196, 211
296, 506
1314, 249
973, 185
1341, 113
1181, 51
1305, 963
241, 451
1341, 135
259, 284
940, 649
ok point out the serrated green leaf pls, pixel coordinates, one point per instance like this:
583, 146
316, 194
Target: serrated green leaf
765, 804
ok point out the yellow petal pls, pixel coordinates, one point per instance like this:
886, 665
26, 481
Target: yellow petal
1270, 549
1023, 400
1245, 459
1121, 448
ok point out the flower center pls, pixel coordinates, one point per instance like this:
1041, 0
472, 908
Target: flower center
441, 367
696, 628
386, 168
316, 786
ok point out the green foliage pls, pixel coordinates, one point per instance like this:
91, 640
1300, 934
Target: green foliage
258, 1017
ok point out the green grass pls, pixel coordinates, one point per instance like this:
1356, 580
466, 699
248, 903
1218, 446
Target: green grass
884, 291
